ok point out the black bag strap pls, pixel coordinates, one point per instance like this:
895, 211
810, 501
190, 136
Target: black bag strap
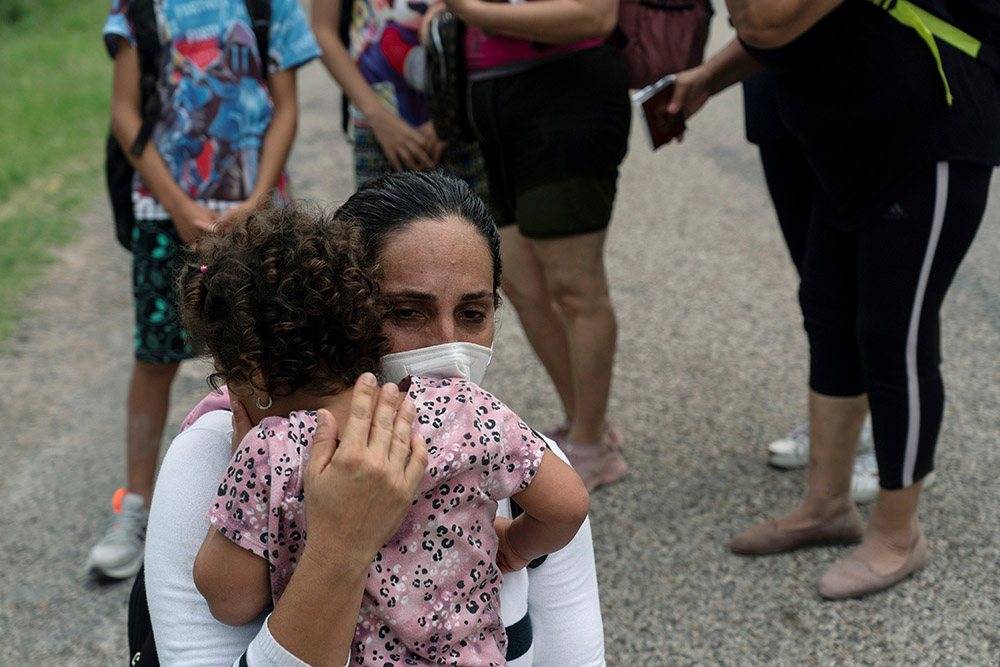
147, 42
260, 21
141, 644
344, 30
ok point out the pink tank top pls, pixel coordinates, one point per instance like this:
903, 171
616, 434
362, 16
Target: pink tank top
484, 51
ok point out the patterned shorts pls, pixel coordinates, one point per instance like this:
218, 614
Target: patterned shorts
159, 338
464, 161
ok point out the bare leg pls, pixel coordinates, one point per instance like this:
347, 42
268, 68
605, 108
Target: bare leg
892, 528
148, 399
524, 284
827, 513
574, 272
834, 428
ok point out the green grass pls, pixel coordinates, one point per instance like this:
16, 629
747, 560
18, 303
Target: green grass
57, 86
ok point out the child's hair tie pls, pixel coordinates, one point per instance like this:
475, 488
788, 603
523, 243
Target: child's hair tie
204, 268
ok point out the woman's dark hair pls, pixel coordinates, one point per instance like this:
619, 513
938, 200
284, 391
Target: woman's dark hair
390, 204
287, 300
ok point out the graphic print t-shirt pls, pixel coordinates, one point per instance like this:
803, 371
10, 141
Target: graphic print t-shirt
215, 102
385, 47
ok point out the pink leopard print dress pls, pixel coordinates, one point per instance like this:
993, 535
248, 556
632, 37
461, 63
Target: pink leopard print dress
432, 591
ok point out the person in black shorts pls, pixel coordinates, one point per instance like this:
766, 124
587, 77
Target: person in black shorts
902, 150
548, 101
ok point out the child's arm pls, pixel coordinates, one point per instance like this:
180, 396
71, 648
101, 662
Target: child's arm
191, 219
405, 146
555, 504
235, 582
277, 142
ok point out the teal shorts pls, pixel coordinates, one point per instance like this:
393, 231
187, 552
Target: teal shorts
159, 338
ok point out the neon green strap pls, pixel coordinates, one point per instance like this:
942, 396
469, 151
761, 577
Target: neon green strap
928, 27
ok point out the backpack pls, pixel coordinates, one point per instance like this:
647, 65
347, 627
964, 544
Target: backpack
661, 37
118, 171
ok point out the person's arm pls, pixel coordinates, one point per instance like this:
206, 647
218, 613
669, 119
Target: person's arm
235, 582
277, 142
357, 493
546, 21
405, 146
186, 633
564, 604
555, 504
768, 24
190, 218
694, 86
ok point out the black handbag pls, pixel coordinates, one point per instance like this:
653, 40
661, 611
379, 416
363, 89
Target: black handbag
447, 88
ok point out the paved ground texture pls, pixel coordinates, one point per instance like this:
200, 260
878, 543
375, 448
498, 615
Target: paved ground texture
711, 365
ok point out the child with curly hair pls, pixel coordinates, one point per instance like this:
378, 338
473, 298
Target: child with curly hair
288, 307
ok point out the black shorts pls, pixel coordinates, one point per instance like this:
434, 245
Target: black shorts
553, 136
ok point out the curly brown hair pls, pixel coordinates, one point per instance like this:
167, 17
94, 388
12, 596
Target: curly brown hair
285, 301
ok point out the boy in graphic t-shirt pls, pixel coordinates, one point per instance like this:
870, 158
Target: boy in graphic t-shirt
225, 128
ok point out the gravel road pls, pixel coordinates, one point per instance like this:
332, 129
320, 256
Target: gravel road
711, 366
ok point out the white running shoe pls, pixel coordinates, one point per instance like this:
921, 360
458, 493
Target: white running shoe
792, 451
864, 481
118, 552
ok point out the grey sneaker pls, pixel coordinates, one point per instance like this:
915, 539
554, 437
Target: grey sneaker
792, 451
118, 552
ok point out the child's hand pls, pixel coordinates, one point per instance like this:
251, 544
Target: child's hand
225, 221
405, 146
508, 560
192, 220
434, 145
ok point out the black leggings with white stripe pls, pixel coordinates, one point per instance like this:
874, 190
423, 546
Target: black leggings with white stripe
871, 301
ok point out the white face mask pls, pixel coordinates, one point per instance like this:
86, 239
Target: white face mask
449, 360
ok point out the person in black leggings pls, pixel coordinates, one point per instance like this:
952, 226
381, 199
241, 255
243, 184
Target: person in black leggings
791, 185
902, 139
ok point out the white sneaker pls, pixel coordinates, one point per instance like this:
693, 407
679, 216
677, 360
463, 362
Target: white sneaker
792, 451
118, 552
864, 481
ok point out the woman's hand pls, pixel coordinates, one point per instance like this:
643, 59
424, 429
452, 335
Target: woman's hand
694, 86
425, 22
691, 91
357, 493
406, 147
508, 560
358, 490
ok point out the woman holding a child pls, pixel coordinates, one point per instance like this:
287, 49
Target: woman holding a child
551, 612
